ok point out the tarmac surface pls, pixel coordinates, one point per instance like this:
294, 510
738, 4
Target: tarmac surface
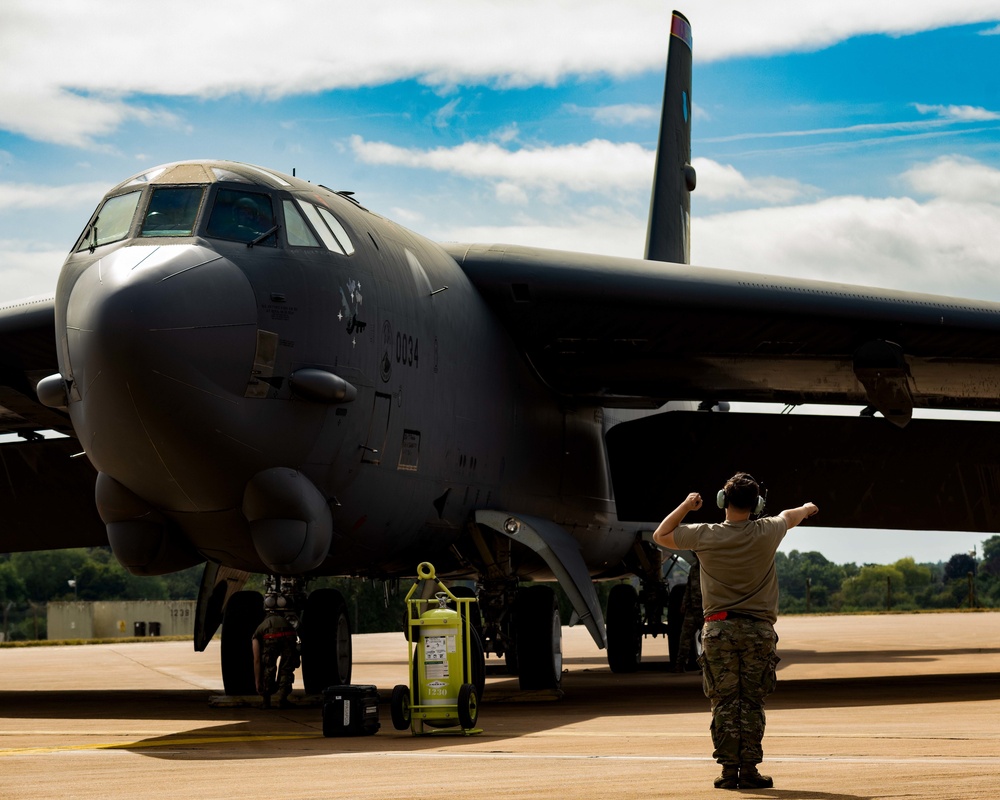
895, 706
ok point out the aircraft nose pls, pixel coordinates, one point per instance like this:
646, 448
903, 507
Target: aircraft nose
159, 349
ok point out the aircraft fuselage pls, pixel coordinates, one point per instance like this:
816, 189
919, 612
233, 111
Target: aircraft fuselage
218, 374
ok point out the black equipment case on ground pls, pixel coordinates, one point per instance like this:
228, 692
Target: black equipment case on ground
350, 711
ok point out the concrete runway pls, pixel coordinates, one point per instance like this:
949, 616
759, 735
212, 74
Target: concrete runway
903, 706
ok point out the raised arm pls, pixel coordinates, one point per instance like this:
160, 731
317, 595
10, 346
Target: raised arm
664, 533
793, 516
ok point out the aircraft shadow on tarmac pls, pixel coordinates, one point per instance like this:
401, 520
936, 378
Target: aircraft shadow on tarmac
822, 657
229, 733
880, 656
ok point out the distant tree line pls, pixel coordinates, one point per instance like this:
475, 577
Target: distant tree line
29, 580
809, 582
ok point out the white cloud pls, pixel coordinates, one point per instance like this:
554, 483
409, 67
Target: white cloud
314, 46
944, 246
621, 114
959, 113
724, 182
591, 166
957, 178
590, 230
28, 269
732, 28
51, 113
597, 165
16, 196
447, 112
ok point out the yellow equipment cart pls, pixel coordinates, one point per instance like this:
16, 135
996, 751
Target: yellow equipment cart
442, 696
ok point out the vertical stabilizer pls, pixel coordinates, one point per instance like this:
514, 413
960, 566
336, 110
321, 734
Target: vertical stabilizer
667, 236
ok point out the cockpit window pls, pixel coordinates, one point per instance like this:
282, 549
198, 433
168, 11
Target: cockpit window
172, 211
113, 221
243, 217
296, 230
338, 231
329, 228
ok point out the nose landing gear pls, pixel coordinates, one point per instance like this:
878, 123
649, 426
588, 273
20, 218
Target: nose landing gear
321, 621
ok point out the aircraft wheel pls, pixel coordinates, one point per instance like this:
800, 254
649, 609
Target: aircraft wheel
325, 632
243, 613
468, 706
399, 707
624, 629
538, 637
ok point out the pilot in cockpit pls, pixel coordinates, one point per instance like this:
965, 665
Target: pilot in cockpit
247, 219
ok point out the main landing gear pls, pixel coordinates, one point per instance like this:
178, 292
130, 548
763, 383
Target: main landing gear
523, 625
323, 627
652, 610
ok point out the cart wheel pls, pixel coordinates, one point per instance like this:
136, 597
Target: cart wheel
399, 705
468, 706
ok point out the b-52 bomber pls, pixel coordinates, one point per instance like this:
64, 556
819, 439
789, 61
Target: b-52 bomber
267, 377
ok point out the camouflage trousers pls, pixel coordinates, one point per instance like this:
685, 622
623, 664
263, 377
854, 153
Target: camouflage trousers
280, 661
686, 641
738, 670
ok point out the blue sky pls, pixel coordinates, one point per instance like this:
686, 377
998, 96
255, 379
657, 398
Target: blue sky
850, 141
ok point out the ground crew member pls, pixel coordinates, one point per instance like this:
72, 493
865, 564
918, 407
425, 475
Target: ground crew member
692, 615
274, 641
740, 602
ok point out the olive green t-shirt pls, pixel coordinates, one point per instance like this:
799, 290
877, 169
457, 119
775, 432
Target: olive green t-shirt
273, 623
737, 564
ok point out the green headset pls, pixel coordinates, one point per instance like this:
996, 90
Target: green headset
722, 500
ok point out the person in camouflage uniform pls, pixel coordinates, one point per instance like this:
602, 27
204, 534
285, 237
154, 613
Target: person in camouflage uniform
693, 617
740, 603
275, 658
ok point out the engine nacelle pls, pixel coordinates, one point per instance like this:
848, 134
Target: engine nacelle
142, 540
290, 521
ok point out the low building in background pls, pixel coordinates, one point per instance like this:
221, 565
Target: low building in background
118, 619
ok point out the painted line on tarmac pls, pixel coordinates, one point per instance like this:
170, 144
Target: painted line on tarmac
968, 761
491, 756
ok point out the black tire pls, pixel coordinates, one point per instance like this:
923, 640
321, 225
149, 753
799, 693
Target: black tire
243, 613
325, 632
399, 707
538, 636
624, 629
478, 677
468, 706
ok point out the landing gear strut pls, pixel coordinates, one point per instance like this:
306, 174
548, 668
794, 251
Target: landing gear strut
522, 624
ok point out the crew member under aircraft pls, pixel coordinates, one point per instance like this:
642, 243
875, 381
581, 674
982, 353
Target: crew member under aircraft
740, 603
693, 615
275, 657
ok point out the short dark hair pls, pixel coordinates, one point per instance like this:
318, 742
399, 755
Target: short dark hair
742, 491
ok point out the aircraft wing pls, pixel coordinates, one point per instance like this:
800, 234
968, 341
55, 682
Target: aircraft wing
27, 354
46, 491
628, 332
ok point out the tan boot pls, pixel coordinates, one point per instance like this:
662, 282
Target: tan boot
750, 778
730, 777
